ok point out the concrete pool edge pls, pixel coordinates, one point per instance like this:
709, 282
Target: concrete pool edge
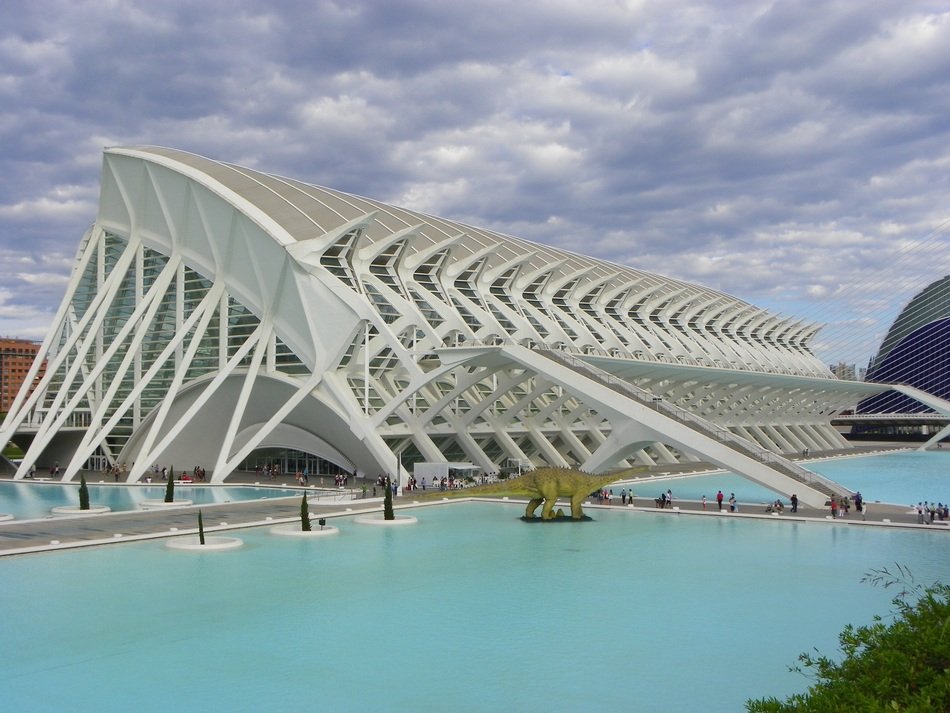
633, 510
192, 543
293, 529
64, 510
57, 545
179, 505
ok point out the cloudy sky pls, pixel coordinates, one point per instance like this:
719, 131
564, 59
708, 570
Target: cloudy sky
794, 154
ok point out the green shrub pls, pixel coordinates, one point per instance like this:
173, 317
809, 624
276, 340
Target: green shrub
304, 514
902, 666
83, 493
12, 450
388, 513
170, 486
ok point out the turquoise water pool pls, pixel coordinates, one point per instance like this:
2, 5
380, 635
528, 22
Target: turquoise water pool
35, 500
470, 610
902, 478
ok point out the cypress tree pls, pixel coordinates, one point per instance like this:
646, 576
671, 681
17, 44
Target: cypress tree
170, 487
83, 493
304, 514
388, 513
201, 529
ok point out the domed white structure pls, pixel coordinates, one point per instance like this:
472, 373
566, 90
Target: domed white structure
214, 310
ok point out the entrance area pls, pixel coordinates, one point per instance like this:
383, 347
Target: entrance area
289, 461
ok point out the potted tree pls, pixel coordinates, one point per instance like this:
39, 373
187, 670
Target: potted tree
83, 493
170, 487
304, 514
388, 513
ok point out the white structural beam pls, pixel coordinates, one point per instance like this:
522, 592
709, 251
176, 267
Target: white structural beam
226, 465
634, 422
941, 406
149, 452
17, 412
247, 386
204, 283
76, 348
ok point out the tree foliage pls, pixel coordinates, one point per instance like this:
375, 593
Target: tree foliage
304, 514
83, 493
170, 487
902, 666
388, 513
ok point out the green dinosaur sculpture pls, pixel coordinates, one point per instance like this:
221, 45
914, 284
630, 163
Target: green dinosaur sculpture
546, 485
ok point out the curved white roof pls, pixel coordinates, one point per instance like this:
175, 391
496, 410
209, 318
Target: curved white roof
269, 312
656, 317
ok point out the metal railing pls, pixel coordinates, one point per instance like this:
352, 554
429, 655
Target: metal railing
885, 416
325, 495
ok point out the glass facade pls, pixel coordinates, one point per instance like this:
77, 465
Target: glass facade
290, 461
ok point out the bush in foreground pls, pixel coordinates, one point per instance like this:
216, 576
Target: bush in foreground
902, 666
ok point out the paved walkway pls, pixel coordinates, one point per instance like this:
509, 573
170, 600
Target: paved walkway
17, 537
54, 533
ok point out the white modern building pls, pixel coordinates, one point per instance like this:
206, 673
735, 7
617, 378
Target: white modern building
214, 311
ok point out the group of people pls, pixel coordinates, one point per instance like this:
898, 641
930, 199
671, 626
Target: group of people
384, 481
606, 496
733, 503
665, 500
411, 483
927, 512
841, 507
197, 475
271, 470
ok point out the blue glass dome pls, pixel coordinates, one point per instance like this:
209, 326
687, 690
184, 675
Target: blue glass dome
920, 359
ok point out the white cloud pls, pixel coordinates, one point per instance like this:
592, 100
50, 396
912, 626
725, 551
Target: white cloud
43, 278
795, 158
51, 206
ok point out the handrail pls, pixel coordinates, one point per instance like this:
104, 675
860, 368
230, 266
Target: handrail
642, 356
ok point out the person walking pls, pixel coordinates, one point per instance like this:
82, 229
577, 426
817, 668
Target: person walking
794, 502
719, 500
